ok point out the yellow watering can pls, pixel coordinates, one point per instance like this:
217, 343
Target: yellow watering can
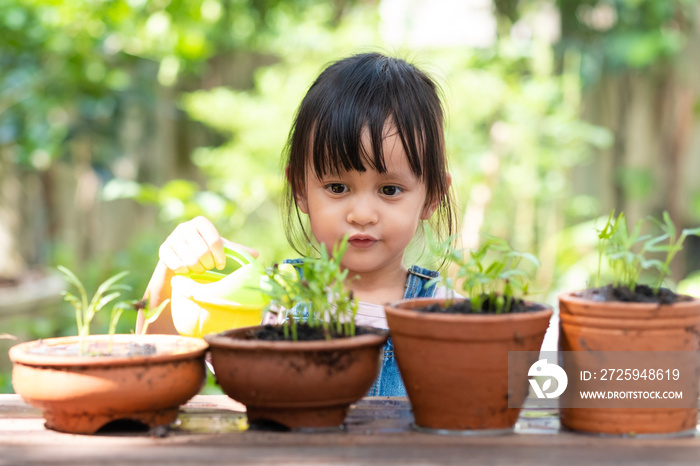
214, 301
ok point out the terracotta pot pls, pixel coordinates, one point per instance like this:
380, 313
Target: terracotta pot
296, 384
81, 394
455, 366
587, 325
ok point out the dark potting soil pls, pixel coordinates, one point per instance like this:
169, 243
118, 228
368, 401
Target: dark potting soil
641, 294
96, 349
304, 333
487, 307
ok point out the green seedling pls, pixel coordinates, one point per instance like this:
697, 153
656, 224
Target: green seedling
674, 246
150, 315
85, 308
626, 250
490, 276
116, 314
317, 291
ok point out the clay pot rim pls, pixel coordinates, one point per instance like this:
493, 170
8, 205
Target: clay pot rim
395, 307
570, 296
193, 348
227, 340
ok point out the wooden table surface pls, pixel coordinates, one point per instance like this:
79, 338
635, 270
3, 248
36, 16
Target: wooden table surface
212, 429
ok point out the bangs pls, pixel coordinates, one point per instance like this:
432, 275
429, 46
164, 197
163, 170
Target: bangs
353, 140
376, 96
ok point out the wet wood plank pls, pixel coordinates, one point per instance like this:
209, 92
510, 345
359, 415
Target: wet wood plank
212, 430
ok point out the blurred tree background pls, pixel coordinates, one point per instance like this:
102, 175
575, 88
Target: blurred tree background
121, 118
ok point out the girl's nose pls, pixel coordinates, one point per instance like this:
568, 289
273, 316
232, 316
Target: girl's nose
362, 212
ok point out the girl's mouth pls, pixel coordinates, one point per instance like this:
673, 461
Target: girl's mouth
362, 242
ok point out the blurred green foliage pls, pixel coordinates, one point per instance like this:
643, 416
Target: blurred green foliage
513, 108
70, 70
67, 67
616, 35
243, 177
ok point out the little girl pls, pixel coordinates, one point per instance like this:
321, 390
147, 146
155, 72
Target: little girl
365, 158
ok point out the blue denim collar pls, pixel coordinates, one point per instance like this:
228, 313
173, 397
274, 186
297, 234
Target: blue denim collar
417, 279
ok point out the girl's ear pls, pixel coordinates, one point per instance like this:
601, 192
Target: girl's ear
430, 208
302, 205
300, 199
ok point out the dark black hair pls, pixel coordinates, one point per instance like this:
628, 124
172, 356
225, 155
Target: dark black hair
364, 92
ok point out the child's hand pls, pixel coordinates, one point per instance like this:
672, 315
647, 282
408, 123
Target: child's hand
195, 246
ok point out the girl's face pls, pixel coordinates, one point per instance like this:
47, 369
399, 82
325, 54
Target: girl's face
379, 212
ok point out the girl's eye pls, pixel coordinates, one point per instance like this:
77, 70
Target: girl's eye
336, 188
390, 190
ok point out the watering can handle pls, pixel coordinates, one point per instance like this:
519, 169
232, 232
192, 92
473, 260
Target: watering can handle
231, 246
238, 252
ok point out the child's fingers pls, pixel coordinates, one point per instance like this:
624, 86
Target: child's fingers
193, 246
172, 261
187, 257
200, 251
197, 246
212, 239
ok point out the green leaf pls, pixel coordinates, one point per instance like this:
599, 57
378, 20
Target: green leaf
509, 274
651, 245
106, 300
649, 263
108, 284
117, 311
527, 256
691, 231
150, 315
73, 280
72, 299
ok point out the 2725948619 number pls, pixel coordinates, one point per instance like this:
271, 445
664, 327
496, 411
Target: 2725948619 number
637, 374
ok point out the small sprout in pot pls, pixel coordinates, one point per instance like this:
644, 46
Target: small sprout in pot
491, 276
316, 292
86, 308
628, 251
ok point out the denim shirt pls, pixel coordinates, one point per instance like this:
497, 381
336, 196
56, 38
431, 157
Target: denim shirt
389, 382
